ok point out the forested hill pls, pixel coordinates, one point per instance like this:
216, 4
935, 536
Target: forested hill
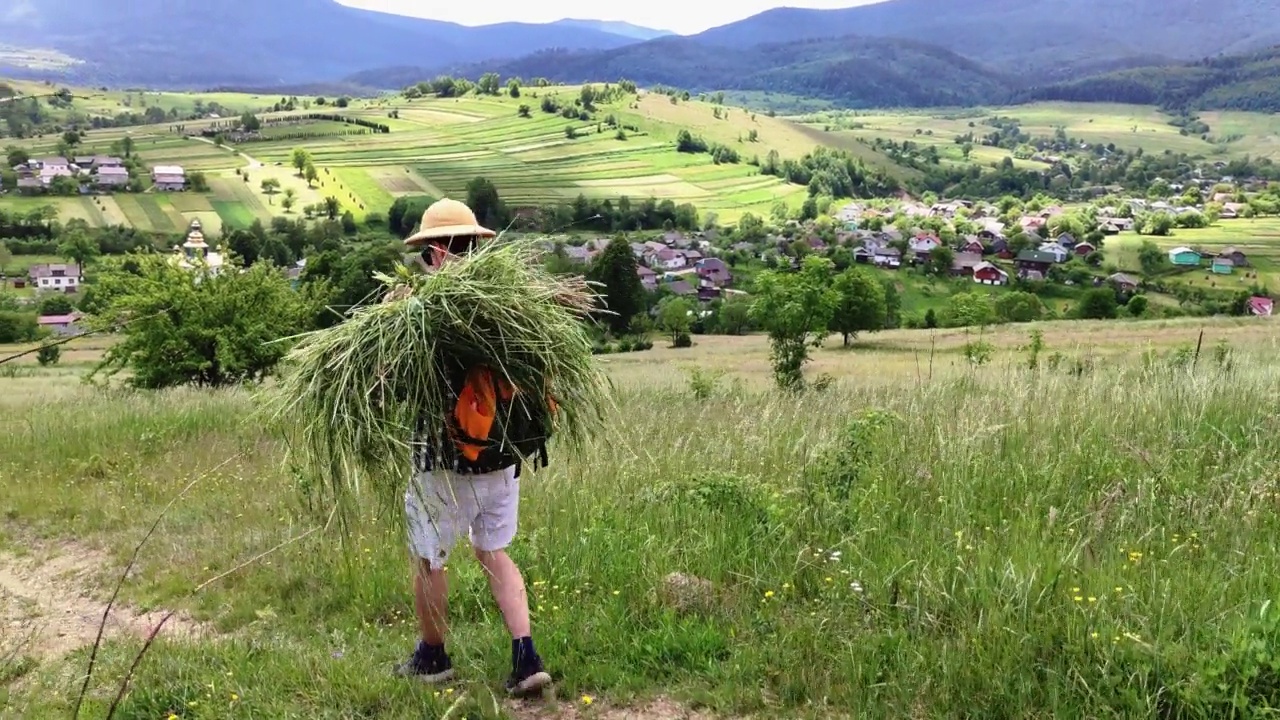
1238, 82
853, 71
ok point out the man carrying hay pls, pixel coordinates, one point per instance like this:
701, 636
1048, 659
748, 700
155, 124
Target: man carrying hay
452, 495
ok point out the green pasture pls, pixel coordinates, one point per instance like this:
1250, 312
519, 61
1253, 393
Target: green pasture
68, 208
1128, 126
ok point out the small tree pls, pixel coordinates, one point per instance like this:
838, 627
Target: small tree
795, 308
48, 355
289, 200
192, 328
1098, 304
622, 292
861, 305
675, 317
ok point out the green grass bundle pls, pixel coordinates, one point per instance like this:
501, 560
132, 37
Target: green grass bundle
353, 394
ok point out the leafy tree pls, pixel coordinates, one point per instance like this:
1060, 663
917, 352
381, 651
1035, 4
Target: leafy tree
345, 279
735, 317
1137, 305
198, 181
483, 199
270, 186
289, 199
968, 309
1098, 304
78, 247
675, 316
489, 84
300, 159
189, 328
48, 355
349, 223
56, 305
622, 293
892, 305
246, 246
795, 309
513, 89
524, 111
310, 173
332, 207
861, 305
1019, 307
16, 156
940, 260
1151, 258
17, 327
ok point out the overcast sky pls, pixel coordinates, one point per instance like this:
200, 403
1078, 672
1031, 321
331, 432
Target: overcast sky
681, 17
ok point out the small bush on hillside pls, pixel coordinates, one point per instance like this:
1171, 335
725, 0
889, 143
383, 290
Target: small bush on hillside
682, 340
48, 355
704, 383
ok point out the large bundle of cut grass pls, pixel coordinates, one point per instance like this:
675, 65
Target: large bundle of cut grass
354, 395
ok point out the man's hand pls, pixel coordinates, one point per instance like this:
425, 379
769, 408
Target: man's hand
400, 292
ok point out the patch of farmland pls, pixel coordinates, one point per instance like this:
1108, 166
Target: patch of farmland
588, 150
432, 116
738, 184
210, 222
642, 180
761, 195
398, 181
157, 218
233, 214
133, 211
165, 204
236, 190
190, 202
110, 210
364, 187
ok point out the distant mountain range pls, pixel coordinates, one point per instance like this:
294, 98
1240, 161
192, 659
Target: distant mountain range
203, 43
898, 52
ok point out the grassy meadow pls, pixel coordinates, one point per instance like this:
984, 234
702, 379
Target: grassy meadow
927, 538
1127, 126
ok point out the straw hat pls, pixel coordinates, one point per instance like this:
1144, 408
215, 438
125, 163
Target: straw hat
448, 219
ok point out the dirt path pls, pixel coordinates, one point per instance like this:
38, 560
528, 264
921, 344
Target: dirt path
252, 161
50, 604
660, 709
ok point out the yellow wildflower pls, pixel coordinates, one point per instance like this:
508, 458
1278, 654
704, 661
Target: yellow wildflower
768, 593
587, 699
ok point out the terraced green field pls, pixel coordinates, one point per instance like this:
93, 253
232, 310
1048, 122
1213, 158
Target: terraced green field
1128, 126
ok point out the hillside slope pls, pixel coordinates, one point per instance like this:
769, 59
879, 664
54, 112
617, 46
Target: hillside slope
200, 43
1237, 82
855, 71
1053, 36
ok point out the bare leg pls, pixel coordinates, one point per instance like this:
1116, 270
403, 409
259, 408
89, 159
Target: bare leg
431, 600
507, 586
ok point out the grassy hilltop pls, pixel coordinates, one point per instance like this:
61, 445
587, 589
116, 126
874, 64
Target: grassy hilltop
927, 539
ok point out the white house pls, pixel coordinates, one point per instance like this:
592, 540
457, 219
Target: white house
55, 277
169, 177
666, 259
1059, 253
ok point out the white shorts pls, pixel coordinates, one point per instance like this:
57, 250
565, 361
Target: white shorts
444, 505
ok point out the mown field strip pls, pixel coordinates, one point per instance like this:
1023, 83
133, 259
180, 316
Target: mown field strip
134, 212
365, 187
